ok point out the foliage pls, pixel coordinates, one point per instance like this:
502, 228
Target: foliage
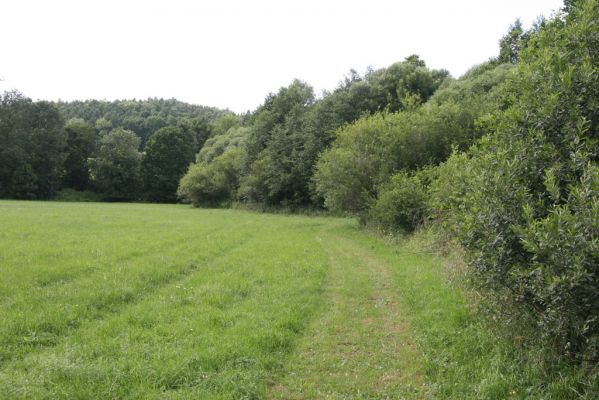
401, 204
292, 128
200, 130
529, 221
212, 183
32, 148
166, 158
224, 123
81, 143
214, 178
449, 188
144, 117
253, 187
277, 139
347, 175
366, 153
480, 87
512, 43
115, 169
219, 144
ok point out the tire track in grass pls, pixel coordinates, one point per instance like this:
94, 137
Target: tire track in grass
27, 271
103, 306
216, 334
361, 346
72, 275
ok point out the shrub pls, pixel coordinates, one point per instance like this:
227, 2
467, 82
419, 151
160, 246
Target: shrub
529, 219
401, 204
213, 183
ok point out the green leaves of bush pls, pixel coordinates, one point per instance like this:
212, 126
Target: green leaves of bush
212, 183
401, 205
530, 220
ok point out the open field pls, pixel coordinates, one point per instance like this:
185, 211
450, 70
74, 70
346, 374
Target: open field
163, 301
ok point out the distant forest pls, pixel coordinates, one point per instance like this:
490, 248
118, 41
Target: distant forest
504, 159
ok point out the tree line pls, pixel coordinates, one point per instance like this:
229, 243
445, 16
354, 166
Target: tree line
504, 159
121, 150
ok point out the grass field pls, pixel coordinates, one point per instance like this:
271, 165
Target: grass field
163, 301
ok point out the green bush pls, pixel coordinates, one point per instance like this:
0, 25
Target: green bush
401, 205
526, 206
213, 183
451, 183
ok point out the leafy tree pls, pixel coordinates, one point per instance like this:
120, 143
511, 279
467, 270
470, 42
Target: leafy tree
32, 148
222, 124
391, 85
512, 43
218, 144
103, 126
167, 156
199, 128
276, 138
347, 174
81, 143
115, 171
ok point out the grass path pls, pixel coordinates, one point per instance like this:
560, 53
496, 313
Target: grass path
361, 346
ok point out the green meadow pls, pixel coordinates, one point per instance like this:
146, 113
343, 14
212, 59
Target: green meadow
139, 301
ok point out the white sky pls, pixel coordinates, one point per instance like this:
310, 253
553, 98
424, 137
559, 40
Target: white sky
232, 53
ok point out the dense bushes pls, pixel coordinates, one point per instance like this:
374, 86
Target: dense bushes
365, 154
526, 205
214, 179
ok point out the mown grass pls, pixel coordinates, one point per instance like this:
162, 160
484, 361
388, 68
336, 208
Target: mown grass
162, 301
144, 301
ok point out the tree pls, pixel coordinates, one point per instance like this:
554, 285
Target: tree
167, 156
277, 138
199, 128
512, 43
103, 126
218, 144
81, 143
222, 124
115, 171
32, 148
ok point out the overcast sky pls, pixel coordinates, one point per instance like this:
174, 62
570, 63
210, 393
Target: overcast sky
232, 53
